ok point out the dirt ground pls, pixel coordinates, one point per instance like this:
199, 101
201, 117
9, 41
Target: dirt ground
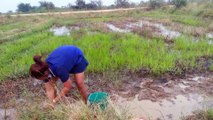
127, 85
77, 12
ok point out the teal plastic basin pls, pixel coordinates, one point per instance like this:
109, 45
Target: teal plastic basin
98, 98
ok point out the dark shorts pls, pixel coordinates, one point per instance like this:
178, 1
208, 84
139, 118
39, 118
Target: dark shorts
81, 67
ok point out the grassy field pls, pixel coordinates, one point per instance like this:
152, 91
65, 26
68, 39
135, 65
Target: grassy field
23, 37
105, 51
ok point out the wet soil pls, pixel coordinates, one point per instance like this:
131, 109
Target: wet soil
127, 85
145, 27
14, 91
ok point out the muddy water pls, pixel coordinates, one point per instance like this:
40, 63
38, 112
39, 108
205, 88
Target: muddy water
182, 97
171, 109
163, 30
183, 86
167, 33
198, 79
59, 31
8, 114
210, 35
140, 24
136, 24
116, 29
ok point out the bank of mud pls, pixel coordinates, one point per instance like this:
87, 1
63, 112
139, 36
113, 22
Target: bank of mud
128, 90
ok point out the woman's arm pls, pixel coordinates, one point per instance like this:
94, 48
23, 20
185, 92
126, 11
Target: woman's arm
50, 90
64, 91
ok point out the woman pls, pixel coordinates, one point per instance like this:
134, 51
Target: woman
59, 64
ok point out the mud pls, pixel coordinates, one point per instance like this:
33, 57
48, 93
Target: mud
8, 114
158, 95
210, 35
116, 29
63, 30
19, 91
142, 27
145, 27
155, 89
168, 99
59, 31
167, 109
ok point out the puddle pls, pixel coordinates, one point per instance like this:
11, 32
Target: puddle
183, 86
60, 31
116, 29
8, 114
140, 24
171, 109
75, 28
198, 79
195, 39
163, 30
210, 35
167, 33
210, 42
137, 24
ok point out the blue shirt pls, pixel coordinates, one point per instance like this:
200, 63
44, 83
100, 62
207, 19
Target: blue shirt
63, 59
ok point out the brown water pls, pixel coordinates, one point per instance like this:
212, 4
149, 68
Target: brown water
116, 29
59, 31
8, 114
130, 26
172, 109
183, 98
210, 35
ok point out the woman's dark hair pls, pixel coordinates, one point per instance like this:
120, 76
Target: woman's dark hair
38, 69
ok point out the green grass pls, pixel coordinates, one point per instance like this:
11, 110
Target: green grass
187, 20
13, 51
211, 67
127, 52
107, 52
9, 32
159, 14
104, 51
210, 114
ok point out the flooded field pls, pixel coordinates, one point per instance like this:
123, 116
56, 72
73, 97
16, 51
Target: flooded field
144, 97
154, 65
172, 109
158, 29
161, 102
60, 31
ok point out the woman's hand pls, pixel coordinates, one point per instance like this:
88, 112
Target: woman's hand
64, 91
50, 90
48, 105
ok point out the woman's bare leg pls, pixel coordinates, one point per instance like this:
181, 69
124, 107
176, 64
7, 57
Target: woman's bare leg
79, 78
